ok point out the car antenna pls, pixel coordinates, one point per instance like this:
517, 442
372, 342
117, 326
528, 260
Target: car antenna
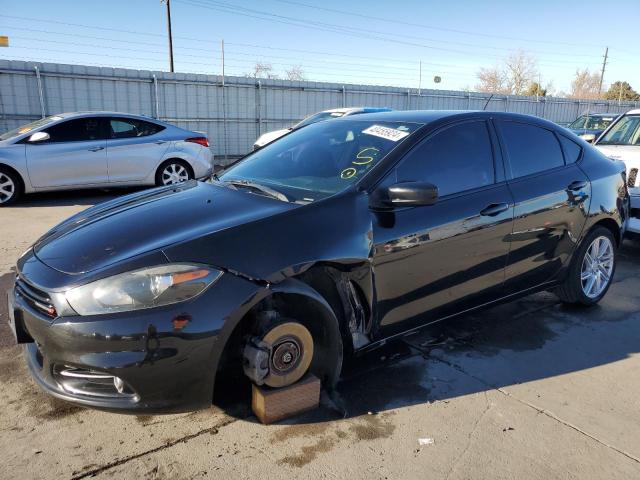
485, 105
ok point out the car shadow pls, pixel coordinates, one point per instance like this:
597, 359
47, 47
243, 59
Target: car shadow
530, 339
68, 198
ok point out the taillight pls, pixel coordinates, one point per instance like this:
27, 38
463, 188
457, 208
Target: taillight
204, 141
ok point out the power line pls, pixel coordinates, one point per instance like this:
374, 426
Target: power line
431, 27
347, 30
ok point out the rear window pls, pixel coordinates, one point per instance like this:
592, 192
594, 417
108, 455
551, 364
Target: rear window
530, 149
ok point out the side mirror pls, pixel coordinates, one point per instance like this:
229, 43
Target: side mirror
39, 137
588, 137
404, 194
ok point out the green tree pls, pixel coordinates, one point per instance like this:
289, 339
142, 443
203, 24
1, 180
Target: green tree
535, 89
621, 91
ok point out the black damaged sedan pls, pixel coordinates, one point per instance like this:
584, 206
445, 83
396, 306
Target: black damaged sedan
313, 249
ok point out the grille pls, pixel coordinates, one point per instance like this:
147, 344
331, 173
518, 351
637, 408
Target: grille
633, 173
38, 299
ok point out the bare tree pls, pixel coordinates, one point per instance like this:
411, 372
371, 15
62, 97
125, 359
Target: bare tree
521, 69
492, 80
513, 77
262, 70
585, 85
295, 73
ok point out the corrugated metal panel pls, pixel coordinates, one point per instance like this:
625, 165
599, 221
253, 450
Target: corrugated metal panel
195, 101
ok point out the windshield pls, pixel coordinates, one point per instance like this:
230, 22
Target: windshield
318, 117
29, 127
322, 159
625, 132
592, 122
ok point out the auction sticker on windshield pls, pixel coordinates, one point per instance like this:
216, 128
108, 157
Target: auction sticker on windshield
385, 132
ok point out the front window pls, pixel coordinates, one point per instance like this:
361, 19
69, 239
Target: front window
320, 160
318, 117
29, 127
624, 132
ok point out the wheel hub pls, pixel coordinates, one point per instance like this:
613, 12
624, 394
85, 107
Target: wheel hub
597, 267
286, 356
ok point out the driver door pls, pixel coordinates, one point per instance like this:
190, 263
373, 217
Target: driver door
433, 261
74, 155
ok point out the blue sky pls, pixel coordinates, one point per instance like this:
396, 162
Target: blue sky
378, 42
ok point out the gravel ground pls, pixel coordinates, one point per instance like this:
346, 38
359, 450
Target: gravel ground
526, 390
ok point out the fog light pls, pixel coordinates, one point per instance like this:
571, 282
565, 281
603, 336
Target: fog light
119, 384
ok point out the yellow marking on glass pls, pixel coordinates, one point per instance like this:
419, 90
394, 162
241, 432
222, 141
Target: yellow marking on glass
348, 173
362, 155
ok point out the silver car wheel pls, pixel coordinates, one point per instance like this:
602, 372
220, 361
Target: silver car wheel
174, 173
7, 188
597, 267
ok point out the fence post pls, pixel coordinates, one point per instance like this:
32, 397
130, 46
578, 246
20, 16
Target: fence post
344, 97
259, 107
156, 100
468, 100
408, 107
544, 107
40, 92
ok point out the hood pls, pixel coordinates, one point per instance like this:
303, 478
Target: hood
146, 221
584, 131
630, 154
271, 136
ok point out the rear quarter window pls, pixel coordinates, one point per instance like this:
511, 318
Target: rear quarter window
530, 149
572, 151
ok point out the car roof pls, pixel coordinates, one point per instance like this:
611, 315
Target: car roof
635, 111
352, 110
102, 113
432, 116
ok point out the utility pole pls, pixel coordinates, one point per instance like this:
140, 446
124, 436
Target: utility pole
168, 4
604, 65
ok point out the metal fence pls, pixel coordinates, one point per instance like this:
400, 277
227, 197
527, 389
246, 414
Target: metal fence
234, 111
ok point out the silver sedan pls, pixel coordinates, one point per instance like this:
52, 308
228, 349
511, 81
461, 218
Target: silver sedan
98, 150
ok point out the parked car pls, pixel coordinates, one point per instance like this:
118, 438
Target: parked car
269, 137
621, 141
322, 245
97, 150
591, 125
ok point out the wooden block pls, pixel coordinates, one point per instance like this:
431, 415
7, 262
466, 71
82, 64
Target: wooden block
271, 405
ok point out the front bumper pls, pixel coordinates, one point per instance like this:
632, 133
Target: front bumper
166, 357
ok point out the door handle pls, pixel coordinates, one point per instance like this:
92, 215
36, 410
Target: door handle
96, 149
160, 142
494, 209
577, 185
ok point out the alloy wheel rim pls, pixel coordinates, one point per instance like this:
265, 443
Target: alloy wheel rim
7, 188
174, 173
597, 267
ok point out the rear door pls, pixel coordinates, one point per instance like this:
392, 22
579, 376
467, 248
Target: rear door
431, 261
75, 155
551, 201
134, 148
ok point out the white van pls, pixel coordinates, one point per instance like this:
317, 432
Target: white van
621, 141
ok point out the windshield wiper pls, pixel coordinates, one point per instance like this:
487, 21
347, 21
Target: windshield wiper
270, 192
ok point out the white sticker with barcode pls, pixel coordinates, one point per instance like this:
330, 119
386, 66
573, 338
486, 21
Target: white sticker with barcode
385, 132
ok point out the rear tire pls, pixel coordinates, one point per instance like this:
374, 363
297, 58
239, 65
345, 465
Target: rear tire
172, 172
10, 187
591, 270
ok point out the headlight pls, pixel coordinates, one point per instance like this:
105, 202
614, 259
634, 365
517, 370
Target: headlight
144, 288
